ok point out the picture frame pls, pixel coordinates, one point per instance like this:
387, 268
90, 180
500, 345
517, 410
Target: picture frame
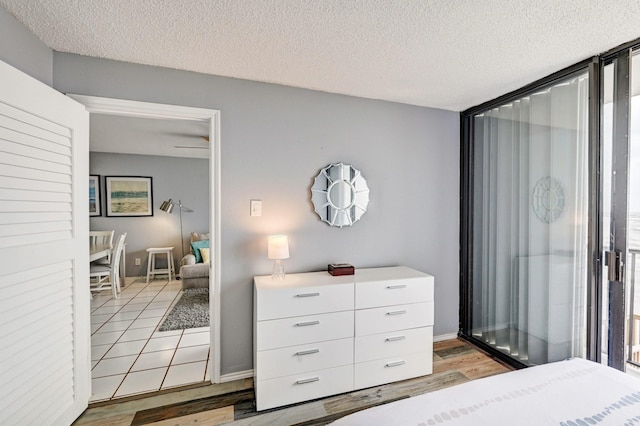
129, 196
95, 198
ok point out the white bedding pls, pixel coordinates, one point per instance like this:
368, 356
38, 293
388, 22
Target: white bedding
567, 393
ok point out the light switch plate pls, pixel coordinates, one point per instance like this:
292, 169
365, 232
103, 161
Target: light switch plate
256, 208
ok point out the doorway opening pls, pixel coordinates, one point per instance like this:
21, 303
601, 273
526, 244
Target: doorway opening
137, 344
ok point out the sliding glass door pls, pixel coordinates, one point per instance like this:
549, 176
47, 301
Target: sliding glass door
621, 211
550, 228
527, 223
632, 334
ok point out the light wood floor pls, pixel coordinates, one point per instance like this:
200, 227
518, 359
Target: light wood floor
454, 362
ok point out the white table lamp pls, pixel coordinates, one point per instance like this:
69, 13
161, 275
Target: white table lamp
278, 249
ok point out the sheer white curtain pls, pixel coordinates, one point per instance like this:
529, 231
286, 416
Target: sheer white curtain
530, 224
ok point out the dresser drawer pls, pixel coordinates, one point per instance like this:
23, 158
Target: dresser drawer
393, 343
302, 330
392, 286
299, 359
289, 298
302, 387
391, 318
373, 373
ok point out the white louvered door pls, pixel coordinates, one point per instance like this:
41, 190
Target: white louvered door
44, 259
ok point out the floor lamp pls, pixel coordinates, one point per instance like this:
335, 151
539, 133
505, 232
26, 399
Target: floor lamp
167, 206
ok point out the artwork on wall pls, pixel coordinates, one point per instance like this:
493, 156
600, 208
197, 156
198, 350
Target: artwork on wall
94, 196
129, 196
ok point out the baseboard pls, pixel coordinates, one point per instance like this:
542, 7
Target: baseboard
442, 337
236, 376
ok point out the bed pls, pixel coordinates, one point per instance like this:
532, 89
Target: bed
566, 393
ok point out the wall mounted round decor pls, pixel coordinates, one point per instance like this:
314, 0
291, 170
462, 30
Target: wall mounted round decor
548, 199
340, 195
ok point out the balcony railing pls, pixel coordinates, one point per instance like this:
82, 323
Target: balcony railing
633, 330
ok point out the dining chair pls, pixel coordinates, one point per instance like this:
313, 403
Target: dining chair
108, 275
102, 238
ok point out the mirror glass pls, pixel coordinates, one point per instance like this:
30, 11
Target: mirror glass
340, 195
548, 199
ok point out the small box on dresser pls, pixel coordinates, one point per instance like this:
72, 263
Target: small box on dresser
317, 335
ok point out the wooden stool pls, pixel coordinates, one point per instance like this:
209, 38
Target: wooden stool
151, 262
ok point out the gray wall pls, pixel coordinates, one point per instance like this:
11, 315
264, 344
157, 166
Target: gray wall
275, 139
23, 50
185, 179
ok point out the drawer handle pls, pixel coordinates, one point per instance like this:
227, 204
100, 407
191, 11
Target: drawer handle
310, 380
395, 338
309, 352
395, 364
304, 324
308, 295
397, 312
393, 287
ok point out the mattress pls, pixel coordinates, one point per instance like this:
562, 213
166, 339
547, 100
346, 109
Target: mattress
566, 393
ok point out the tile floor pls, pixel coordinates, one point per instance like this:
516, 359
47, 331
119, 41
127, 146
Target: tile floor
129, 356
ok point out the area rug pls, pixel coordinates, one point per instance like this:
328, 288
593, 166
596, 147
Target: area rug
191, 311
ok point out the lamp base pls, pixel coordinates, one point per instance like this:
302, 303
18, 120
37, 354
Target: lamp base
278, 270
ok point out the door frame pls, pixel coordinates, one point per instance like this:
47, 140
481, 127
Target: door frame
127, 108
618, 232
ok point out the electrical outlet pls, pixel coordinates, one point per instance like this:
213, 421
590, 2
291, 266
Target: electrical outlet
138, 261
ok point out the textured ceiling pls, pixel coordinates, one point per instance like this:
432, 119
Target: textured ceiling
449, 54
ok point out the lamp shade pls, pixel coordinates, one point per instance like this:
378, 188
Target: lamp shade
278, 247
167, 206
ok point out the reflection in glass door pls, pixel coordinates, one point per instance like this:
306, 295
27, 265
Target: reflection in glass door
530, 222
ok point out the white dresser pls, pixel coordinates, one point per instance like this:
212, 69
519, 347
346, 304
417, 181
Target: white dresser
317, 335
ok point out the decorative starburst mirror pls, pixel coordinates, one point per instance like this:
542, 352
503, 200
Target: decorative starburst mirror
340, 195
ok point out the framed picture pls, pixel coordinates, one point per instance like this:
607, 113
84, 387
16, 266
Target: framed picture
95, 203
129, 196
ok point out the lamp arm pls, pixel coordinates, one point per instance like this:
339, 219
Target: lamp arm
167, 206
182, 207
181, 234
